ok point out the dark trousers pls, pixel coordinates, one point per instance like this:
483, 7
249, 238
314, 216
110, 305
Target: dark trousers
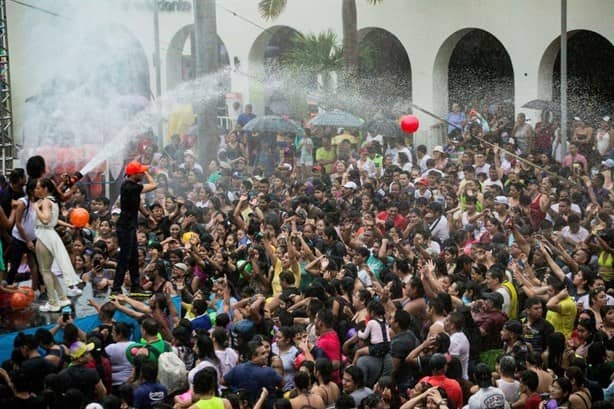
128, 258
16, 250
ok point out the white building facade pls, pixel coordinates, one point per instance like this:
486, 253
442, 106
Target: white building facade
429, 31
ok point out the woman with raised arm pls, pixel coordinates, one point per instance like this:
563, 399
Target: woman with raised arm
49, 246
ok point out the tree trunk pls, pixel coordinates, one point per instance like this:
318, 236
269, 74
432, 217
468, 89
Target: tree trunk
350, 37
207, 57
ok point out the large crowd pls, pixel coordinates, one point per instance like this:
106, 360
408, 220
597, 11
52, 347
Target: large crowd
331, 268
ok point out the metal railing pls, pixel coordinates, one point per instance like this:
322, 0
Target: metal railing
225, 122
7, 144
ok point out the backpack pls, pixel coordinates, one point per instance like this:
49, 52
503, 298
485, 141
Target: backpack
172, 372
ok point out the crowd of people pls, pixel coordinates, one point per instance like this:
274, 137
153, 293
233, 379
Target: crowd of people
328, 269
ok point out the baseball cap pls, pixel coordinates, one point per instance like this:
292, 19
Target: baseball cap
78, 349
514, 326
502, 200
438, 148
181, 266
351, 185
189, 152
424, 181
608, 163
135, 167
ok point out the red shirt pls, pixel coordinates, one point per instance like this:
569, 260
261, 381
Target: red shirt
532, 402
398, 221
451, 386
329, 343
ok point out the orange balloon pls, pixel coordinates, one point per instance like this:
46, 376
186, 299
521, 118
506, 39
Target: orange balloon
19, 301
79, 217
30, 295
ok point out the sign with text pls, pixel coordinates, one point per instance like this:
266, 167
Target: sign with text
163, 5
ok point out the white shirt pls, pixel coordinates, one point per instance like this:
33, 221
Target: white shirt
603, 142
555, 207
363, 276
228, 359
459, 346
121, 368
488, 398
441, 230
577, 237
488, 182
584, 300
367, 166
422, 162
482, 169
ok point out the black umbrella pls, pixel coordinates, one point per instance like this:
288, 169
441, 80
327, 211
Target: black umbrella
384, 127
337, 118
540, 104
271, 123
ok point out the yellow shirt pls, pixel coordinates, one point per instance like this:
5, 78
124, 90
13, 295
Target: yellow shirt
563, 321
322, 154
276, 283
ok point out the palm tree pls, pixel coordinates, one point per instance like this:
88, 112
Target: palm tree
271, 9
207, 57
314, 54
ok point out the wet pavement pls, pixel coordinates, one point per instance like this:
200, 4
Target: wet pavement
29, 317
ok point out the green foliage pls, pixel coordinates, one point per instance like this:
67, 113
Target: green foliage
271, 9
316, 53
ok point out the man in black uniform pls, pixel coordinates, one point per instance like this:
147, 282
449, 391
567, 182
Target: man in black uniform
130, 205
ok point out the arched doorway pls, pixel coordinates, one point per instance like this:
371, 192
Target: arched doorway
88, 101
384, 70
590, 57
269, 92
181, 57
473, 68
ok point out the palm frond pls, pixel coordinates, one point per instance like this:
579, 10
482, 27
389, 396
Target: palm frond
271, 9
315, 52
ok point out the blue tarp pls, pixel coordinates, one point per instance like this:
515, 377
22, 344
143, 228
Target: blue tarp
87, 324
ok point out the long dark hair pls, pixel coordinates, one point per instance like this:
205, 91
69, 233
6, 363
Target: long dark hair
205, 348
30, 185
50, 186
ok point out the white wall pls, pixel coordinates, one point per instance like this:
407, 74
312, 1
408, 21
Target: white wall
525, 28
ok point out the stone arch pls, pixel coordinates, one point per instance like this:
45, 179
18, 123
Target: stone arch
385, 67
180, 60
263, 61
473, 59
119, 58
590, 57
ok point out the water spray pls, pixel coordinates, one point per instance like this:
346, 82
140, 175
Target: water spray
528, 162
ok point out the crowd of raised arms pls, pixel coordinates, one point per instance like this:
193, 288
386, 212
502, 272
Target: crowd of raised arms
332, 268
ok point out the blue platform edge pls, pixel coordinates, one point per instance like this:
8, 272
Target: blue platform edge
86, 324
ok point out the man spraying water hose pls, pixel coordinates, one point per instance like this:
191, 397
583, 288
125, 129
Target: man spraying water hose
130, 204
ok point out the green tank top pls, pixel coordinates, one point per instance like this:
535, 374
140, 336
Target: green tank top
212, 403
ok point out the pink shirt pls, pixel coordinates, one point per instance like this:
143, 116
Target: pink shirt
568, 160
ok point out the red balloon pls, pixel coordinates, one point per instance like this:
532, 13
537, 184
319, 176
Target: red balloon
79, 217
19, 301
409, 123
